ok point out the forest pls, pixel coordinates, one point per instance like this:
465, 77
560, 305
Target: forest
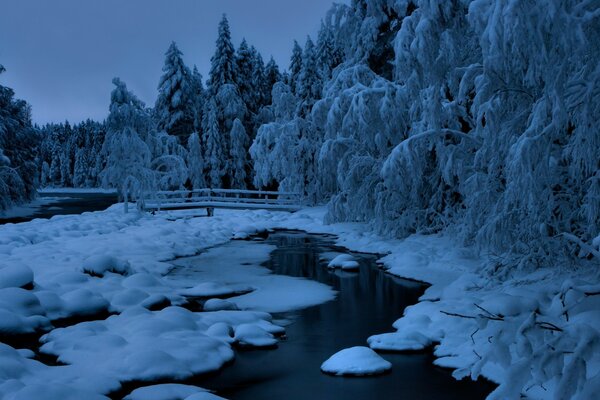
476, 119
472, 116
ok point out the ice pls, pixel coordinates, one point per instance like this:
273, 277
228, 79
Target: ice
238, 263
344, 261
356, 361
171, 391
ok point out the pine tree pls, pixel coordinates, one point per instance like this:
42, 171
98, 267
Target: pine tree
272, 76
258, 78
195, 162
175, 104
295, 67
238, 154
199, 97
245, 74
214, 154
222, 69
328, 57
309, 81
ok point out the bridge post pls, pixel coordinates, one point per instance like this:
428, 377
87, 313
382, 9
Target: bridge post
210, 211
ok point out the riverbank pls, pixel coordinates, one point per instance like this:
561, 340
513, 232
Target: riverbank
477, 325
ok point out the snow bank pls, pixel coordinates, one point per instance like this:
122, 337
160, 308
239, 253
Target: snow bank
356, 361
171, 391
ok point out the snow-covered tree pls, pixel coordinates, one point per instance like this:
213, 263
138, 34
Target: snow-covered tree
222, 67
128, 158
214, 151
245, 74
309, 82
18, 150
175, 105
195, 162
295, 66
272, 76
238, 154
199, 97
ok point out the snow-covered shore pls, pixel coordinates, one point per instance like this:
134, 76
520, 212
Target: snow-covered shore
529, 332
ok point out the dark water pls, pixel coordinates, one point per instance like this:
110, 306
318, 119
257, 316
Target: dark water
368, 303
67, 203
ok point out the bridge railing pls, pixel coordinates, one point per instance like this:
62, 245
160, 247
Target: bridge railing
221, 198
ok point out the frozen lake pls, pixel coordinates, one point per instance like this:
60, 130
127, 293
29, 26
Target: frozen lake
49, 204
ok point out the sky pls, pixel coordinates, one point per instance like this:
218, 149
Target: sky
61, 55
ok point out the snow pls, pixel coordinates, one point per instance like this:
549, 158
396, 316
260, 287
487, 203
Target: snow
141, 344
356, 361
101, 264
344, 261
229, 268
171, 391
254, 336
15, 275
214, 289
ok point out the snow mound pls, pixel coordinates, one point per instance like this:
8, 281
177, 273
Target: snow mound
17, 276
356, 361
20, 312
99, 265
253, 335
410, 336
218, 305
345, 262
173, 343
214, 289
171, 391
54, 392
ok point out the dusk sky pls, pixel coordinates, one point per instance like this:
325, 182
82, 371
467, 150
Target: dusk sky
61, 55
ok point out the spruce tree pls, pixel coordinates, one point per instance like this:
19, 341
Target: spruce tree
175, 105
222, 68
238, 155
244, 75
199, 97
195, 162
309, 82
272, 76
295, 66
214, 155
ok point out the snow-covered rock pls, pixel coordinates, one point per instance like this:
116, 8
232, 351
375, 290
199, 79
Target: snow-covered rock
344, 261
218, 304
99, 265
171, 391
356, 361
253, 335
16, 275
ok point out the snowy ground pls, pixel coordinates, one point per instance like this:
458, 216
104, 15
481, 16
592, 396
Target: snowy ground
537, 332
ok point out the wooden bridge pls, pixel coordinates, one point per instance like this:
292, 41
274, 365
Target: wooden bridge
221, 198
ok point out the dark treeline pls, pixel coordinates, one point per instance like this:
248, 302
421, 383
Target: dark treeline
215, 122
